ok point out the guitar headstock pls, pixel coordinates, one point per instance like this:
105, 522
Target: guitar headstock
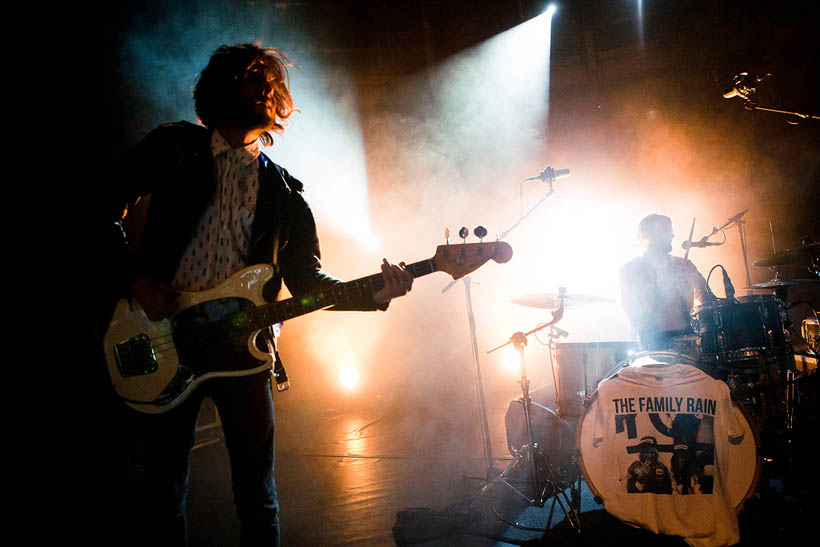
462, 258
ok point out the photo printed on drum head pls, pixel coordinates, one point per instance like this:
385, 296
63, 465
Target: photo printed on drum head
668, 450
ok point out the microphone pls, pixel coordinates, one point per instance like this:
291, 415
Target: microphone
737, 216
727, 286
550, 174
743, 85
702, 243
558, 333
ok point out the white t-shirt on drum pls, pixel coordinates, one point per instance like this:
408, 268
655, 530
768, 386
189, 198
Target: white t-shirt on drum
665, 431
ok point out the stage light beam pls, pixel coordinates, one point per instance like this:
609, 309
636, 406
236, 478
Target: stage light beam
640, 24
324, 147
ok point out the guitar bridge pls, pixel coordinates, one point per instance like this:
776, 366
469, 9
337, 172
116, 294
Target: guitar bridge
136, 357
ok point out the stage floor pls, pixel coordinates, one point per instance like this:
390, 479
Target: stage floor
343, 475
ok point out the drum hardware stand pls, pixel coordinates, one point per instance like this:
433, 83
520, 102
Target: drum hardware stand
785, 367
741, 229
738, 221
491, 471
529, 452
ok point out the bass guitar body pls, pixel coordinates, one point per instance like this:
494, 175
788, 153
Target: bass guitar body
155, 365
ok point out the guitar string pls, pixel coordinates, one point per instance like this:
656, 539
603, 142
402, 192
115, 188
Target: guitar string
343, 293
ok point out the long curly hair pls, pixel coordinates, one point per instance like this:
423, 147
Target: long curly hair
217, 90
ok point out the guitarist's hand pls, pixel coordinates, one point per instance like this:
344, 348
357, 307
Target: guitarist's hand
157, 299
397, 282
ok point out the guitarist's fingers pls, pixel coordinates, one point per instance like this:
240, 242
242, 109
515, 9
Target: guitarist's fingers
405, 276
397, 281
399, 284
391, 278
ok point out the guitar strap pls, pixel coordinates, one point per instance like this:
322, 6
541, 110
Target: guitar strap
280, 376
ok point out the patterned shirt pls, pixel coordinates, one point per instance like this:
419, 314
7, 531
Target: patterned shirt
221, 241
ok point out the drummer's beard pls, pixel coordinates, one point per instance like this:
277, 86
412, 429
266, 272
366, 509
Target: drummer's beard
661, 247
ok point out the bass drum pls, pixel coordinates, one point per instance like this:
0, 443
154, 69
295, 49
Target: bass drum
745, 464
554, 436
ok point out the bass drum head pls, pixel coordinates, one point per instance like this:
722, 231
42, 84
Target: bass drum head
744, 467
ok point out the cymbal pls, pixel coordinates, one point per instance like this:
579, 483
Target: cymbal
790, 256
778, 283
553, 300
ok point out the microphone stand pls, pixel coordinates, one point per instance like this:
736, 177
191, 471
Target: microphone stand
745, 87
738, 221
491, 470
547, 175
749, 105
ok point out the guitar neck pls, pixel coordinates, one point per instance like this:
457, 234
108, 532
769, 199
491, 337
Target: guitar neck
342, 294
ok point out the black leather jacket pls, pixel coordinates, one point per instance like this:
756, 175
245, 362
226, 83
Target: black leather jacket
174, 165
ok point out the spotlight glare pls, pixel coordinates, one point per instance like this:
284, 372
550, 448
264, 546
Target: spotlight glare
551, 9
512, 360
349, 377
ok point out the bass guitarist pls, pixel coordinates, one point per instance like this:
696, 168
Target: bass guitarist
218, 204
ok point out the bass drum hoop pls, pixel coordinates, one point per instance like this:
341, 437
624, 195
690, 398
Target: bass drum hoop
736, 405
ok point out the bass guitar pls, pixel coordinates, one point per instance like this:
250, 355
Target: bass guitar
155, 365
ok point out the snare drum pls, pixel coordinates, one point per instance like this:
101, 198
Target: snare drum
747, 329
744, 466
579, 368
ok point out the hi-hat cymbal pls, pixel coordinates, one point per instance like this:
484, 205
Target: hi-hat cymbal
791, 256
778, 283
553, 300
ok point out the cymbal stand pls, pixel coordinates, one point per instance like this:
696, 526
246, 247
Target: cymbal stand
531, 450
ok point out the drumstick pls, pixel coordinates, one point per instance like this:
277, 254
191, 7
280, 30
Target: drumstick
691, 233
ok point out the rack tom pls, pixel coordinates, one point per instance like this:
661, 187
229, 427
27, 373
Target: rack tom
746, 329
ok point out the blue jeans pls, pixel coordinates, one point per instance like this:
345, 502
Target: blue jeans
245, 406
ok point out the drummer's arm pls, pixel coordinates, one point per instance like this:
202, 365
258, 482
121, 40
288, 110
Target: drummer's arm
702, 291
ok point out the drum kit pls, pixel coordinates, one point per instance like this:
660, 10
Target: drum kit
744, 341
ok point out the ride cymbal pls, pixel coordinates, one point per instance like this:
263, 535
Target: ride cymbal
791, 256
778, 283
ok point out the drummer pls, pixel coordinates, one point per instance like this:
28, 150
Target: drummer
658, 290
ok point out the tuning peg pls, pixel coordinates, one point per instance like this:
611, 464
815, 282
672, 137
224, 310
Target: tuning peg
463, 233
480, 232
447, 235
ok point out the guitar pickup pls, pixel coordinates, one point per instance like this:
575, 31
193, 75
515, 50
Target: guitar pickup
136, 357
